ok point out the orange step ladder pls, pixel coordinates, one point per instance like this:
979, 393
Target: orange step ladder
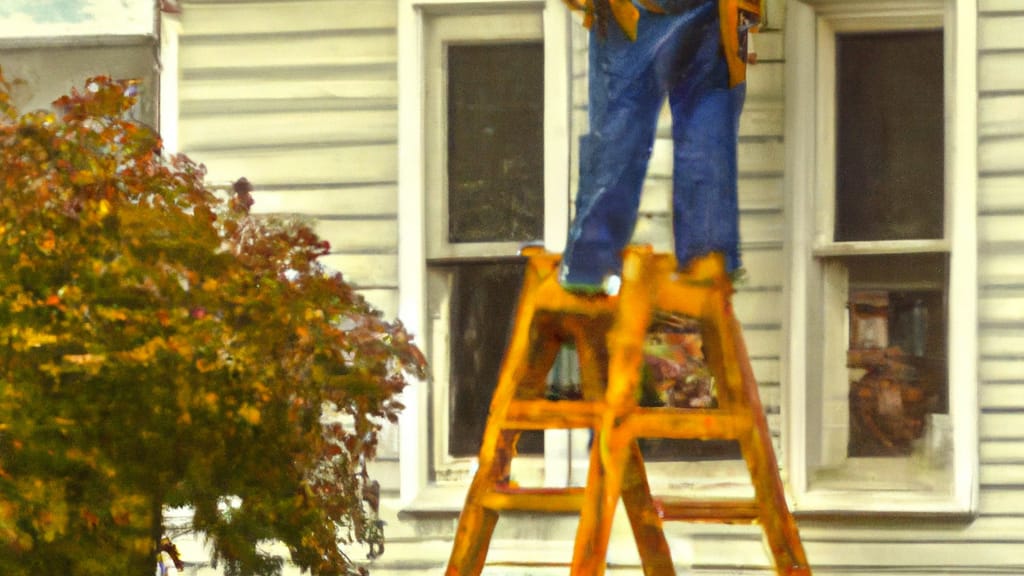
609, 333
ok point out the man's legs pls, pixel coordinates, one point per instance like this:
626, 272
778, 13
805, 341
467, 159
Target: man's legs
705, 127
628, 83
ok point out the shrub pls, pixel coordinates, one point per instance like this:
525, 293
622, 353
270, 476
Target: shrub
163, 347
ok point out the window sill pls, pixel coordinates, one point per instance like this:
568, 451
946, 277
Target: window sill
880, 248
435, 501
848, 505
887, 487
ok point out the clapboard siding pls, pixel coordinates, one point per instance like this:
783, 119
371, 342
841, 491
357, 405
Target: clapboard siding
1000, 31
1000, 193
288, 127
1001, 246
277, 91
230, 18
316, 164
1000, 71
300, 97
330, 200
260, 50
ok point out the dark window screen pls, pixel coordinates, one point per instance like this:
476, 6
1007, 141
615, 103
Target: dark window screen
484, 298
890, 151
496, 142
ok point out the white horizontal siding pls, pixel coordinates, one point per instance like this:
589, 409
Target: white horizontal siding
300, 97
229, 18
1001, 248
338, 200
273, 114
289, 128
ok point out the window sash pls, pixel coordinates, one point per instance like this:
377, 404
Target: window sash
494, 22
520, 24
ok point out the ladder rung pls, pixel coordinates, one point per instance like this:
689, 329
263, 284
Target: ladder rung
717, 511
534, 499
696, 423
553, 414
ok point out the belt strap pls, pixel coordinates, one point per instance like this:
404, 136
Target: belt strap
736, 17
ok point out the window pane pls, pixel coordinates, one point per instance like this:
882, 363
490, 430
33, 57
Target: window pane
484, 298
496, 142
890, 151
897, 352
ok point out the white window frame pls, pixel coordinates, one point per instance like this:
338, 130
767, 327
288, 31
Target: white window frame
413, 213
811, 29
169, 108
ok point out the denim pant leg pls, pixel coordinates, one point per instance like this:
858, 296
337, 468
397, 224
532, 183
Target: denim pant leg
705, 127
628, 83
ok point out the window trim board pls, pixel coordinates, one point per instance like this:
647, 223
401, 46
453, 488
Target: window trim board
809, 173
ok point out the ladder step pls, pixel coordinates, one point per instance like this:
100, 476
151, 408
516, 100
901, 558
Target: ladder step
505, 497
712, 511
695, 423
553, 414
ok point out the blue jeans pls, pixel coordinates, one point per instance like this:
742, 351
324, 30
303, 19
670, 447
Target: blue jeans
679, 56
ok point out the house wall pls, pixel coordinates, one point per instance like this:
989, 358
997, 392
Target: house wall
76, 18
1001, 274
46, 49
300, 97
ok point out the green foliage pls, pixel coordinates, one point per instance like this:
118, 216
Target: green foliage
161, 347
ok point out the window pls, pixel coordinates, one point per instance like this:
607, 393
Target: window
485, 155
48, 70
881, 413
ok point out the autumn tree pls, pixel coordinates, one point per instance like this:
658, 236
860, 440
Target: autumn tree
163, 347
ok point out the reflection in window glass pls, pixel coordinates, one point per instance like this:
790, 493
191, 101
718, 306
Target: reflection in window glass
897, 352
890, 148
495, 142
676, 374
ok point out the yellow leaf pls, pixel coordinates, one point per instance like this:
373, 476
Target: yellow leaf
250, 414
85, 359
211, 399
34, 339
204, 365
111, 314
48, 243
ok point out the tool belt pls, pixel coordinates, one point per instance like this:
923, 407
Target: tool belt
737, 18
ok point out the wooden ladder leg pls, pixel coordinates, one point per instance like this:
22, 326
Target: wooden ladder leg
776, 519
476, 523
655, 555
525, 358
613, 443
728, 357
636, 492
